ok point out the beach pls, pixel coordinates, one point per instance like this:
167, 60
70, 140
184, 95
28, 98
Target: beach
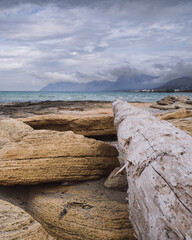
33, 129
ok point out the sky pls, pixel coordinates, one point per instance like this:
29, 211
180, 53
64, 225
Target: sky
43, 42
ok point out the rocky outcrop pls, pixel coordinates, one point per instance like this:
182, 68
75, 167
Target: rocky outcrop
84, 211
181, 113
91, 123
184, 124
181, 118
170, 99
27, 109
77, 209
117, 180
173, 102
17, 224
30, 157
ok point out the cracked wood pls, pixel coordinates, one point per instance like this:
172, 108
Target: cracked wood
159, 173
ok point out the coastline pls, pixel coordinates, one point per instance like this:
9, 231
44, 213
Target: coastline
26, 109
34, 97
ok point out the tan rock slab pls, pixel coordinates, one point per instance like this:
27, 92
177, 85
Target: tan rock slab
26, 109
90, 123
117, 180
30, 156
17, 224
181, 118
85, 211
181, 113
184, 124
173, 102
170, 99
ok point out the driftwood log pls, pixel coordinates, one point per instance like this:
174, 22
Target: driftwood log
158, 160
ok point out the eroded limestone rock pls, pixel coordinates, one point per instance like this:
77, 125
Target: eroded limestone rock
170, 99
184, 124
29, 156
181, 118
117, 181
85, 211
173, 102
17, 224
181, 113
26, 109
91, 123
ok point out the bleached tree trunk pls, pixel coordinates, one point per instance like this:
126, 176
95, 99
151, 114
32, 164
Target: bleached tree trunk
158, 159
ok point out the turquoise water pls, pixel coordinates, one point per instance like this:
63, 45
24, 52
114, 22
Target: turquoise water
82, 96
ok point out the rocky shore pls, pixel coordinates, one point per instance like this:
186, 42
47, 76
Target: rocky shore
59, 154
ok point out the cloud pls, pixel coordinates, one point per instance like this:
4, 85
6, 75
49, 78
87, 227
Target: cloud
59, 77
174, 68
43, 41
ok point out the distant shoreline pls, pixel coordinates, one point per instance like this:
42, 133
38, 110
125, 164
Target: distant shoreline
25, 97
114, 91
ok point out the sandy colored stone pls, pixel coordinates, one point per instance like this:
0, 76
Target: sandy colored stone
87, 123
184, 124
30, 156
85, 211
181, 118
117, 181
176, 105
170, 99
181, 113
17, 224
29, 109
173, 102
26, 109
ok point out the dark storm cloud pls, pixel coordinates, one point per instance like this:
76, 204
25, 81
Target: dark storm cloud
174, 69
74, 3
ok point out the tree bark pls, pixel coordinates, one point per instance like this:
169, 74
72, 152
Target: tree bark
158, 158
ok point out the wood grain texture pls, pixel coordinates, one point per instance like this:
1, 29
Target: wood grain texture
159, 171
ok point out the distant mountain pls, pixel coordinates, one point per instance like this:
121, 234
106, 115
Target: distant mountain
179, 83
123, 83
138, 82
98, 85
63, 86
78, 87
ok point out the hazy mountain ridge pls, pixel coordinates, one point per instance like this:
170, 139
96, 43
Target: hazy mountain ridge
179, 83
138, 82
122, 83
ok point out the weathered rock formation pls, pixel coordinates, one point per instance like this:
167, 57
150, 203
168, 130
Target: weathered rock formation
171, 99
117, 180
184, 124
159, 169
17, 224
90, 123
178, 114
173, 102
30, 157
26, 109
181, 118
84, 211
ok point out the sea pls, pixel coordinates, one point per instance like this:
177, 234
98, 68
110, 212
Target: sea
37, 96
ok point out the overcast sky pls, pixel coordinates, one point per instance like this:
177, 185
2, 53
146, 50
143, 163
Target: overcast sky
73, 40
